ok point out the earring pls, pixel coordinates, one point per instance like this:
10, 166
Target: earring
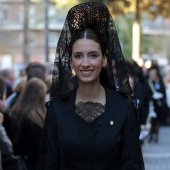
104, 65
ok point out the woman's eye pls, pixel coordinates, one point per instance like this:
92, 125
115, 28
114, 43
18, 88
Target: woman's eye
93, 56
77, 56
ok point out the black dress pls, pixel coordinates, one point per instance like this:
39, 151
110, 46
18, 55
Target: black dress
111, 142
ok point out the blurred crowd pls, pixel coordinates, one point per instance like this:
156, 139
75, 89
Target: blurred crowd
22, 108
151, 89
22, 114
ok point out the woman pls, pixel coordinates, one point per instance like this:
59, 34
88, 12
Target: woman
157, 96
30, 114
167, 89
6, 148
90, 125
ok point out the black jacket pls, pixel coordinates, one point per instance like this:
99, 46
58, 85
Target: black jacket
69, 143
28, 142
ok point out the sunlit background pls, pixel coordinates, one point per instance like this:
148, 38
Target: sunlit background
29, 30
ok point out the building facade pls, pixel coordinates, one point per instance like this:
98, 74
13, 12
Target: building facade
12, 32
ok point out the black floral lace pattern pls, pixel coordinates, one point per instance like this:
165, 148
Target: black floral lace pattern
97, 17
89, 111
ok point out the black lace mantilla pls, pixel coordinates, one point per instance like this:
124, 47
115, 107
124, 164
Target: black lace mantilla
89, 111
96, 16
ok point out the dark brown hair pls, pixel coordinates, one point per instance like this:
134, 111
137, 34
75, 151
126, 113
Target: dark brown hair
35, 69
88, 34
31, 102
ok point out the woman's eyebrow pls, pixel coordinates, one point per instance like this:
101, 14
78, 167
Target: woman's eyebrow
77, 52
93, 52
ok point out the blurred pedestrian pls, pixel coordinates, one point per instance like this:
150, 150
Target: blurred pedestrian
34, 69
10, 122
9, 78
6, 147
140, 90
17, 88
167, 89
158, 99
30, 113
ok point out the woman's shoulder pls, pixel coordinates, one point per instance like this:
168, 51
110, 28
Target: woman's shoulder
62, 101
116, 94
119, 99
52, 104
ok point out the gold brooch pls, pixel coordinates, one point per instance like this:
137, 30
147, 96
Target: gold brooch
111, 123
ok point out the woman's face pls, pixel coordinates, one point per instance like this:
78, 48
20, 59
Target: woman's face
153, 75
87, 60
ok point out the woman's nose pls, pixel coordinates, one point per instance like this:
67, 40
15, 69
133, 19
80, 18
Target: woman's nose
85, 62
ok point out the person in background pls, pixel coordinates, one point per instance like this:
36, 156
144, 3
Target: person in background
6, 147
158, 100
92, 125
34, 69
16, 90
30, 114
167, 89
140, 90
9, 78
10, 122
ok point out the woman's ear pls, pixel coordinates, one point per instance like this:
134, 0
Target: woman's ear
104, 62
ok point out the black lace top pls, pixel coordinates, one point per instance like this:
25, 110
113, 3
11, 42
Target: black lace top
89, 111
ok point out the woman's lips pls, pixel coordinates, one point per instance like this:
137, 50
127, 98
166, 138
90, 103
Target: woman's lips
86, 73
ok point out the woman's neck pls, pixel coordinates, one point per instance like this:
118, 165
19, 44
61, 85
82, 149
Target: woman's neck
91, 92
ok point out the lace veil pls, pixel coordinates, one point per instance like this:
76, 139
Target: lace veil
97, 17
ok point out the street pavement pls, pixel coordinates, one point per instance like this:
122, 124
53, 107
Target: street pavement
157, 155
